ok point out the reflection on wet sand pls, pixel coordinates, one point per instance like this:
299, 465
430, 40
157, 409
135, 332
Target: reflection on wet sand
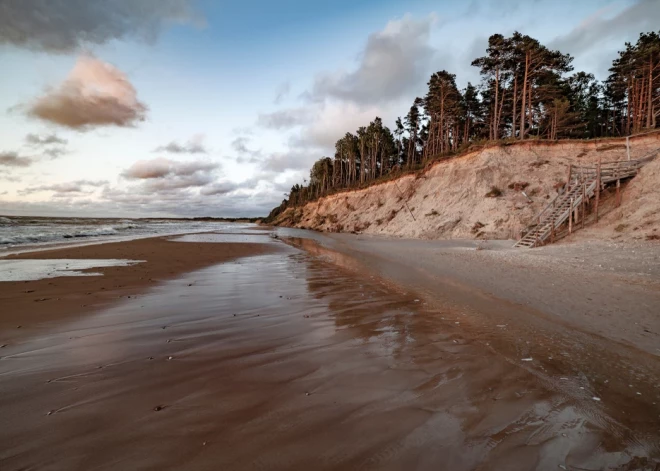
27, 270
286, 361
593, 377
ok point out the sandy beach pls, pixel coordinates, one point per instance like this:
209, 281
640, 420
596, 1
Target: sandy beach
312, 351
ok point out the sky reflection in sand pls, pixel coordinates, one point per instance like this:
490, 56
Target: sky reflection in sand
24, 270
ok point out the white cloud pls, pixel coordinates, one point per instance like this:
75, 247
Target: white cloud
334, 120
161, 168
94, 94
393, 63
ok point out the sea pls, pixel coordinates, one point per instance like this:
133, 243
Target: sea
20, 232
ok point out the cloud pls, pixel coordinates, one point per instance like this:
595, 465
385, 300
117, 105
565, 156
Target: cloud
36, 140
220, 188
282, 92
6, 176
64, 26
78, 186
394, 62
293, 159
140, 200
193, 146
334, 120
175, 182
245, 154
285, 119
161, 168
240, 144
642, 15
12, 159
392, 69
94, 94
55, 152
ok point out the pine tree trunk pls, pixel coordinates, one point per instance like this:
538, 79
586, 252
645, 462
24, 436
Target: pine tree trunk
496, 124
442, 123
649, 111
524, 98
530, 108
514, 121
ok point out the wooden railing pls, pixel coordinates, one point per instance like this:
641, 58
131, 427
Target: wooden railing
583, 182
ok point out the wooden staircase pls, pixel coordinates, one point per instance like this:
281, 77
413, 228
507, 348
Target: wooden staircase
584, 183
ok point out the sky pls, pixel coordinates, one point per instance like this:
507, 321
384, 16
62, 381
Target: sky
135, 108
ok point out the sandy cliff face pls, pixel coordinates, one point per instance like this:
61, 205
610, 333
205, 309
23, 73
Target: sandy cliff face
638, 216
491, 193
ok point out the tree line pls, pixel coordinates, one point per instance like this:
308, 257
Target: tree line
527, 91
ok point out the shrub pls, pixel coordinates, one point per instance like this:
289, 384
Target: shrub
539, 163
362, 227
432, 213
494, 192
518, 186
392, 215
477, 226
297, 216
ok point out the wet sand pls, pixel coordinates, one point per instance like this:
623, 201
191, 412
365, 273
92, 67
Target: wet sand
31, 304
310, 359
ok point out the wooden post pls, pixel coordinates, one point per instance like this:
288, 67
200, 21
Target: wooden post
597, 187
628, 146
584, 203
570, 171
570, 217
618, 193
552, 228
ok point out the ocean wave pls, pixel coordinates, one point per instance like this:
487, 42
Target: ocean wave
25, 238
24, 231
34, 238
100, 231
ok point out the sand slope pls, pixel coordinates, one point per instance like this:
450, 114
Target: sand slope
451, 198
638, 216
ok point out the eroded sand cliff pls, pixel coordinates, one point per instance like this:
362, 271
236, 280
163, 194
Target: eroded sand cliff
490, 193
